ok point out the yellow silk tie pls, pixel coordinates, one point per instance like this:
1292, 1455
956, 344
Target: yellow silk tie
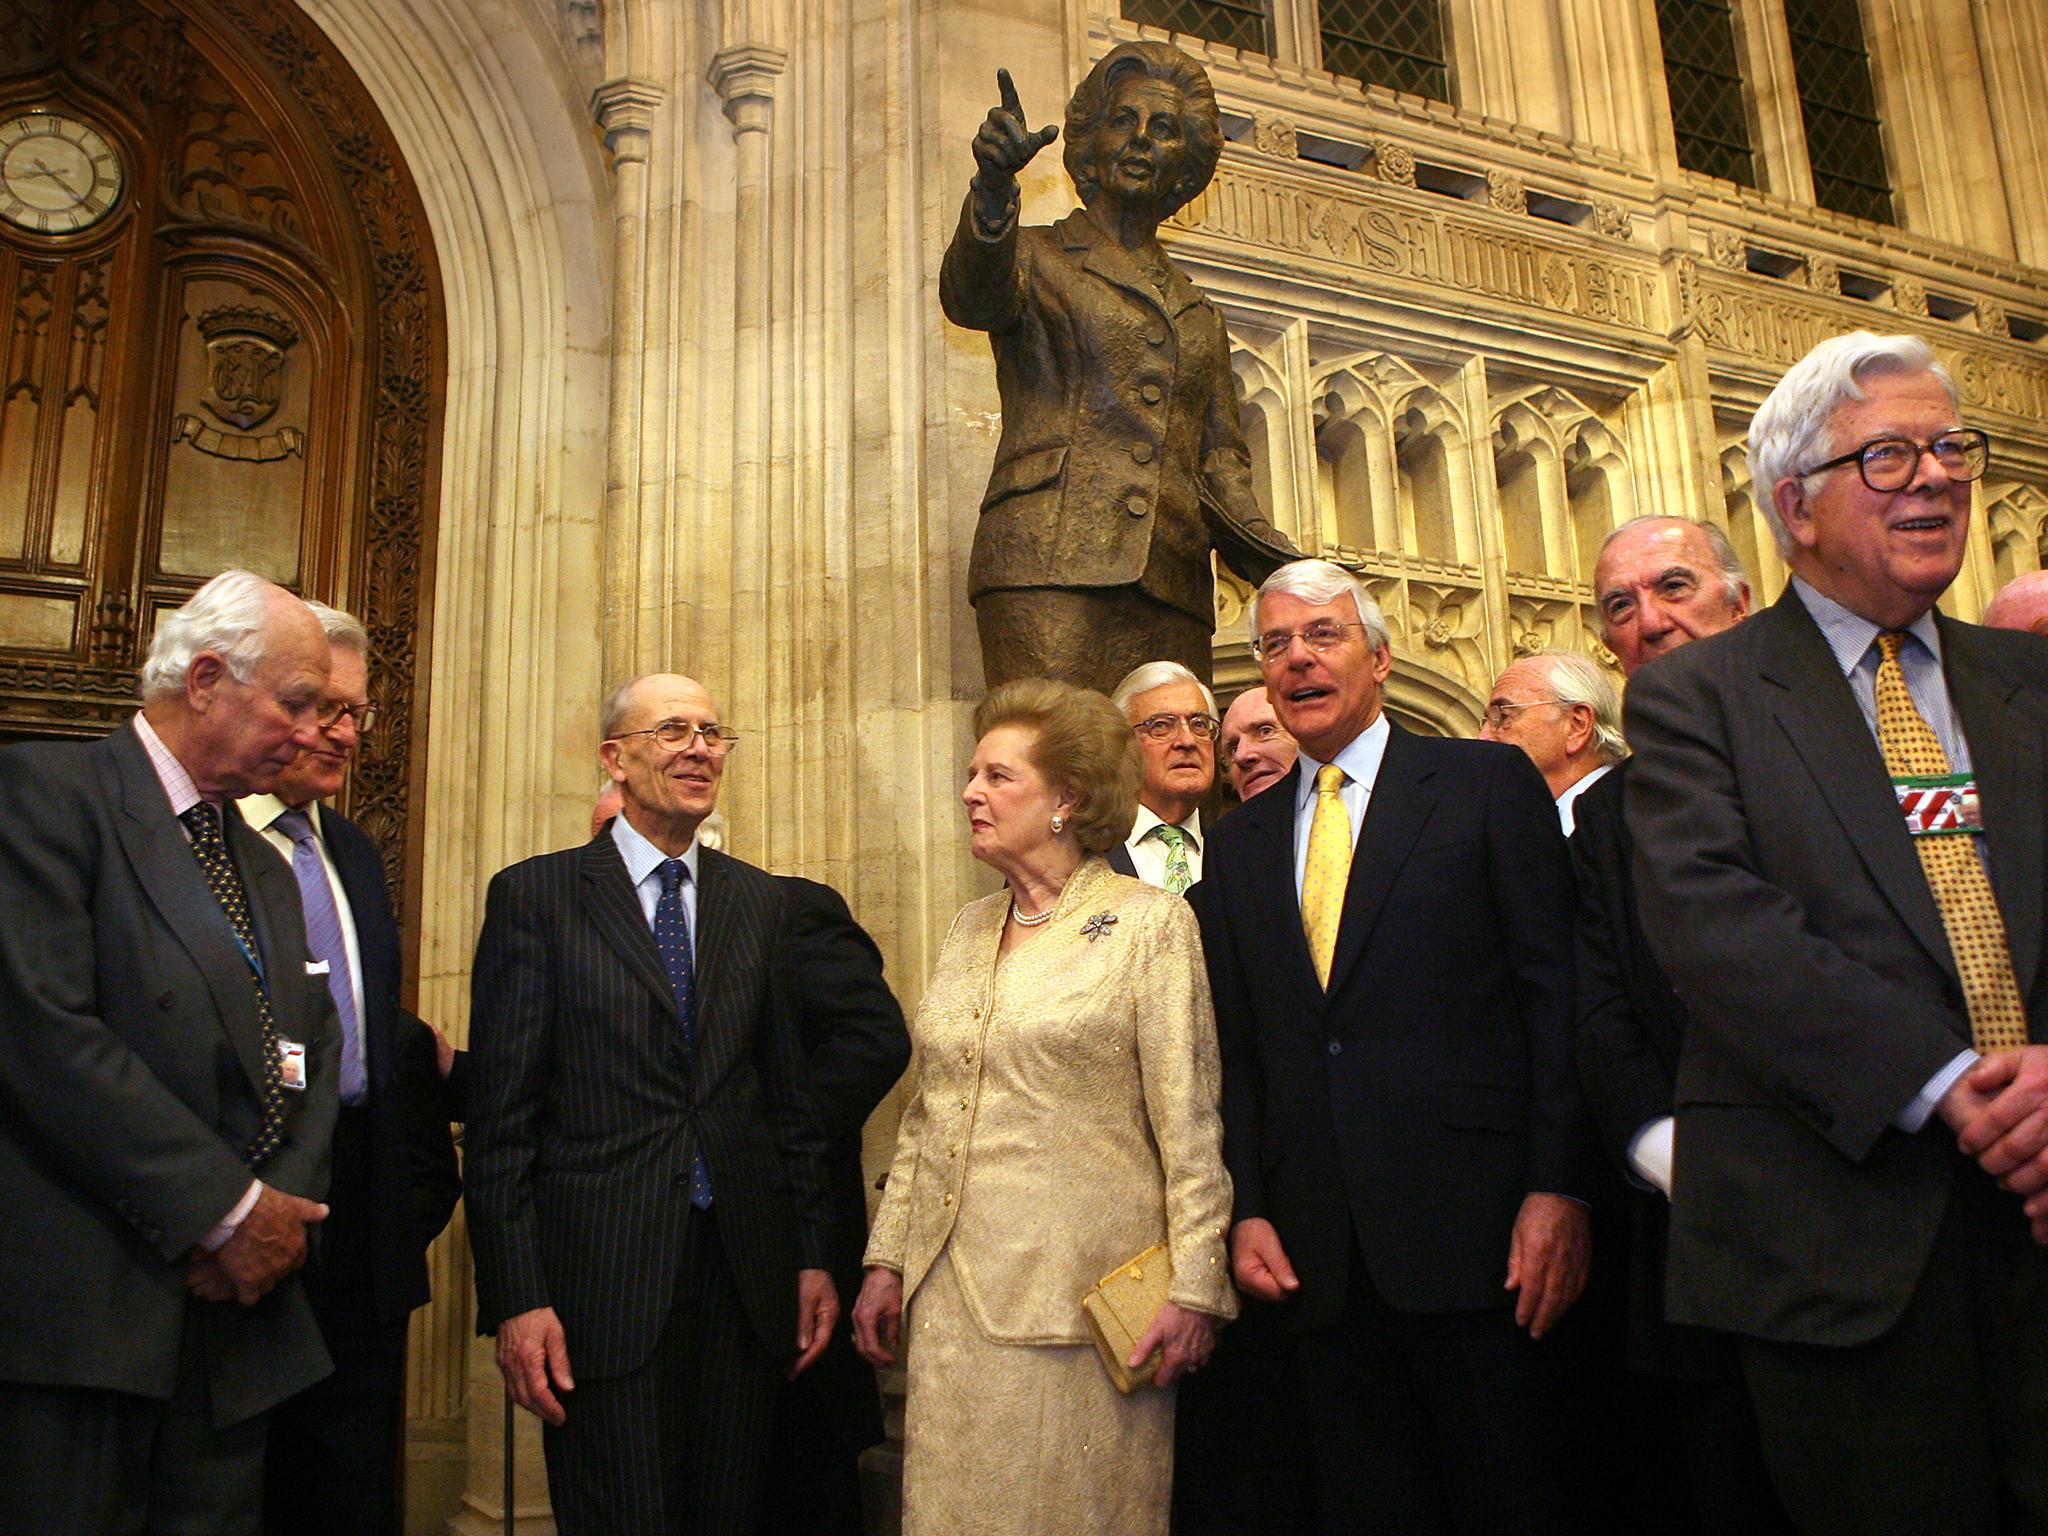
1328, 871
1962, 890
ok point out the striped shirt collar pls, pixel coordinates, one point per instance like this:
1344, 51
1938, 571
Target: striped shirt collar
178, 786
1850, 635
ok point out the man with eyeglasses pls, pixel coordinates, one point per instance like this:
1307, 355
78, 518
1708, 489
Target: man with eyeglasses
1174, 715
1559, 708
1840, 813
332, 1465
167, 1061
646, 1194
1388, 931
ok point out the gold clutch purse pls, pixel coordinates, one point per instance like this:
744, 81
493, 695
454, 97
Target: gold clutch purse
1121, 1307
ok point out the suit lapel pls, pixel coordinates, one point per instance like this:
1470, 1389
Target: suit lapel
1817, 712
615, 912
728, 928
1272, 899
171, 878
2005, 756
1113, 264
1399, 807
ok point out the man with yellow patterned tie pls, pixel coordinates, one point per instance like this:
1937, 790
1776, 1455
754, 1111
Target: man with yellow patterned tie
1838, 812
1388, 931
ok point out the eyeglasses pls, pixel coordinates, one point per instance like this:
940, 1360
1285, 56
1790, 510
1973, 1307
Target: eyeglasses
1500, 714
364, 715
1319, 636
676, 735
1889, 463
1166, 727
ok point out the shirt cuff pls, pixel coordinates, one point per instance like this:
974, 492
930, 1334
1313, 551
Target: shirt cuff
220, 1234
1649, 1153
1914, 1115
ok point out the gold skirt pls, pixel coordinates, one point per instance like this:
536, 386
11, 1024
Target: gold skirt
1023, 1439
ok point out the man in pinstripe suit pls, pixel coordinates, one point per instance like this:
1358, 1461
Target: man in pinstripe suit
645, 1191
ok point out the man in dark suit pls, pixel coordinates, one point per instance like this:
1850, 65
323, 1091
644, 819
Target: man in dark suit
855, 1048
645, 1193
1400, 1116
1838, 810
332, 1465
1681, 1413
1174, 715
167, 1063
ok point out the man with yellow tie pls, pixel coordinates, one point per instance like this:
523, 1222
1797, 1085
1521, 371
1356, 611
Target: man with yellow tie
1838, 812
1388, 931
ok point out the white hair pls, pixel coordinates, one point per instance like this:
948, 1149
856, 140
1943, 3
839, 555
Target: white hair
1790, 428
1734, 579
228, 617
1577, 679
343, 629
1148, 675
1319, 582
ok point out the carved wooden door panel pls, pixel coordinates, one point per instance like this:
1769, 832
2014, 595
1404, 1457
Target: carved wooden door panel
222, 348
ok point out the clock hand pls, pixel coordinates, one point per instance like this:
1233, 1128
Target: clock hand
44, 170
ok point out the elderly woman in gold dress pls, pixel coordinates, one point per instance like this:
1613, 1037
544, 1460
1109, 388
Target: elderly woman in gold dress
1062, 1118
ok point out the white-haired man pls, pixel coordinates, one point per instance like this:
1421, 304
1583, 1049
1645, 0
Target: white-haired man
1841, 828
2021, 603
168, 1066
332, 1465
1401, 1120
1174, 715
1559, 708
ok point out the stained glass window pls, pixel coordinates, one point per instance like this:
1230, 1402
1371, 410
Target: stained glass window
1396, 43
1704, 74
1840, 108
1239, 23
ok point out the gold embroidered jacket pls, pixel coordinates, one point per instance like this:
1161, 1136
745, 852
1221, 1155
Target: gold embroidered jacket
1063, 1112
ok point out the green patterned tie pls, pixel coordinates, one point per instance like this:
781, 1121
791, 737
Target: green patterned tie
202, 821
1177, 877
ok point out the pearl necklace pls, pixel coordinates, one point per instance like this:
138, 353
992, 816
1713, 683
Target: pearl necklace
1032, 922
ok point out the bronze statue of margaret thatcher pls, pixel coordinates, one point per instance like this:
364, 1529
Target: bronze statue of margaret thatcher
1121, 462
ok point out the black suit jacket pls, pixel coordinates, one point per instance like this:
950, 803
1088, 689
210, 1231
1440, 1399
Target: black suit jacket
130, 1059
855, 1048
414, 1179
1781, 892
1430, 1090
1631, 1026
584, 1117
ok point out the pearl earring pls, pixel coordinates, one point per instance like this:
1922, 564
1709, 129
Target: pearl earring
1058, 824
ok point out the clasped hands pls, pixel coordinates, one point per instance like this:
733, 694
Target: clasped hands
1183, 1336
533, 1351
1999, 1112
268, 1244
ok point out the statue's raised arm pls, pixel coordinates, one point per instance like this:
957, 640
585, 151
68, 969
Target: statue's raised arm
1121, 462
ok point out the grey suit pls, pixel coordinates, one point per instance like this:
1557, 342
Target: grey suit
1782, 894
583, 1123
129, 1068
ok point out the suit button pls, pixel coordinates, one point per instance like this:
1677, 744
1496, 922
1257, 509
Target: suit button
945, 1200
1151, 394
1136, 506
952, 1151
1156, 336
1336, 1047
963, 1103
1142, 453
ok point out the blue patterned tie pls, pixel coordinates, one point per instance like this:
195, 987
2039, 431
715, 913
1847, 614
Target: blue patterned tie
672, 938
324, 938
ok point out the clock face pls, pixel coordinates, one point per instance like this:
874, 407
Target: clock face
57, 174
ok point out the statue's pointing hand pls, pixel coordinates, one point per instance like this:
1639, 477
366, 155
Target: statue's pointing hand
1003, 147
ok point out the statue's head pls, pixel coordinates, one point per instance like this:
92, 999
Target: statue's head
1179, 81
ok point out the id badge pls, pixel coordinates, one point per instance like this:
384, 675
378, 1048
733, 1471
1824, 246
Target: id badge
291, 1062
1939, 805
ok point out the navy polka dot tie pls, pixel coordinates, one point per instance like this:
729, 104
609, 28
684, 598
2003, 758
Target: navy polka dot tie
672, 938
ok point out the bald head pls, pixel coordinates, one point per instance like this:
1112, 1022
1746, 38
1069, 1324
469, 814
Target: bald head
667, 788
2021, 603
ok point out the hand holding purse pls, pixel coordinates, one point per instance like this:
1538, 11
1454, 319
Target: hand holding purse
1121, 1306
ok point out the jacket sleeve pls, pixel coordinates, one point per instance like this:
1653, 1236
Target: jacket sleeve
69, 1085
509, 1029
1182, 1078
1627, 1083
982, 280
852, 1026
432, 1172
793, 1118
1243, 1095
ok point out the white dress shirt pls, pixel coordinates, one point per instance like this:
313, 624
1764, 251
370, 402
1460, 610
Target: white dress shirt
643, 868
1360, 759
1148, 853
1569, 798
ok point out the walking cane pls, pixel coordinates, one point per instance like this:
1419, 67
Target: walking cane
511, 1520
